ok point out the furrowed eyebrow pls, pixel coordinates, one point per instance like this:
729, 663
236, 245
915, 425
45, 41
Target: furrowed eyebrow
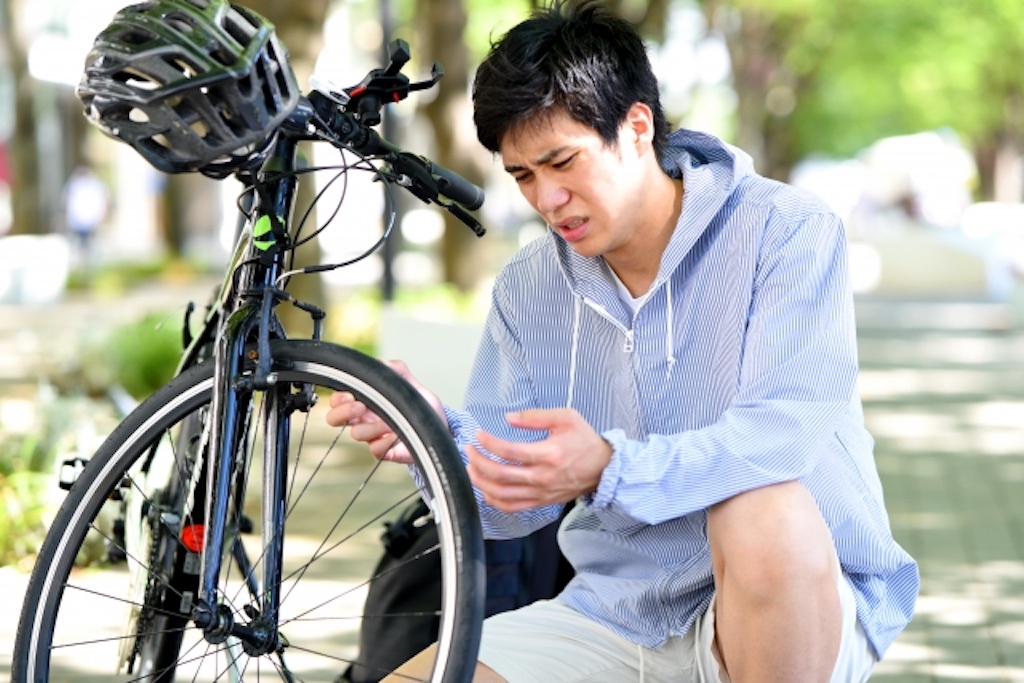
543, 159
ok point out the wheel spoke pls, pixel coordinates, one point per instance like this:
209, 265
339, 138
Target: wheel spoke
97, 620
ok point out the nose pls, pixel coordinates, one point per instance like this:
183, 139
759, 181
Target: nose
550, 195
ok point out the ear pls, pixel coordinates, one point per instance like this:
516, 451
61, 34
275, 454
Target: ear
638, 127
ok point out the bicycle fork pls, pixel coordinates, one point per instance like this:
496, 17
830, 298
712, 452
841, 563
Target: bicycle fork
233, 393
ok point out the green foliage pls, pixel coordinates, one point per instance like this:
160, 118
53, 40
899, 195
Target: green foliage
489, 20
115, 278
353, 322
140, 356
22, 512
867, 69
145, 354
58, 427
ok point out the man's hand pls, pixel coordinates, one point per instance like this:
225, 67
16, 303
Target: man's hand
368, 428
558, 469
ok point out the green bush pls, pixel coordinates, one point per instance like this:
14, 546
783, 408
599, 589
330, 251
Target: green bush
22, 515
139, 357
145, 354
70, 417
59, 427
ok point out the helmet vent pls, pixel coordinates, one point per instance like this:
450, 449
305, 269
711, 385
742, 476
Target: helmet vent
137, 79
223, 56
242, 33
179, 64
161, 140
200, 128
180, 22
135, 36
243, 24
279, 75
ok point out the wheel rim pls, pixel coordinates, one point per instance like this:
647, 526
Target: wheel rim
329, 622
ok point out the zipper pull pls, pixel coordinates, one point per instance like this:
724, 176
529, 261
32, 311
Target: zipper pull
628, 348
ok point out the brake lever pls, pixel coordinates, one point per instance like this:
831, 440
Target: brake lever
466, 217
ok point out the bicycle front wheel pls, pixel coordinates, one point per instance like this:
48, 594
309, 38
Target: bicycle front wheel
111, 594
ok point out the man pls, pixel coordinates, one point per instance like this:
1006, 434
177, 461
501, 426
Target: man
679, 357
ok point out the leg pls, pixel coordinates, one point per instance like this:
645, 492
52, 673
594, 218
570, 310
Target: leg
778, 614
418, 669
549, 641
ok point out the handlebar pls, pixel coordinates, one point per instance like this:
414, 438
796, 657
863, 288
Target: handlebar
346, 118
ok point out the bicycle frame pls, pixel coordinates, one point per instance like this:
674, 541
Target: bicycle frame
242, 316
165, 495
241, 323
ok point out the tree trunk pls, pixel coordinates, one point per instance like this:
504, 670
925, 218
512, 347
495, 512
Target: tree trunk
26, 206
443, 25
999, 159
767, 90
300, 25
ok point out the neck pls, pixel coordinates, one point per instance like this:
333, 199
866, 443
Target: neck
638, 267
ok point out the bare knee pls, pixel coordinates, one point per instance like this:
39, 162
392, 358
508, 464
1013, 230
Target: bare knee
420, 667
770, 539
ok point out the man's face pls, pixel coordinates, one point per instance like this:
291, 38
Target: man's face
588, 192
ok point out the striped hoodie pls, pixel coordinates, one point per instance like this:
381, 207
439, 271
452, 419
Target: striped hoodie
737, 370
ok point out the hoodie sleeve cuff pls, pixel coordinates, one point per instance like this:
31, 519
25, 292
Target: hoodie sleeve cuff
456, 422
605, 494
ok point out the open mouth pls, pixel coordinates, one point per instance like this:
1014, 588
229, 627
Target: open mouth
574, 230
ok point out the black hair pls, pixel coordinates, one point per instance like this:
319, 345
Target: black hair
576, 57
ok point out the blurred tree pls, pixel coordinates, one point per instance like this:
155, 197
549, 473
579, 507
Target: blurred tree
775, 47
649, 16
815, 76
442, 27
299, 25
25, 197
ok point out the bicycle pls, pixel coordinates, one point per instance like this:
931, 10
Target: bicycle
191, 583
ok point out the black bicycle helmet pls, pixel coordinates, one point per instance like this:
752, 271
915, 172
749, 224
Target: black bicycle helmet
193, 85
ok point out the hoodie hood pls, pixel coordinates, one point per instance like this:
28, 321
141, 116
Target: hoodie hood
711, 171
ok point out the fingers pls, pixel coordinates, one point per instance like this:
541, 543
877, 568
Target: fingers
345, 410
565, 463
506, 450
389, 448
542, 418
366, 427
504, 486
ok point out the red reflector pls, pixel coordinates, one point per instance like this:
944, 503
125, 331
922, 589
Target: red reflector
193, 536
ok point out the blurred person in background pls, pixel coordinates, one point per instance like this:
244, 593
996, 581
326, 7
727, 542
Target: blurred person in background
86, 204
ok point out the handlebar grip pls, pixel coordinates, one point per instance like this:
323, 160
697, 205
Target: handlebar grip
457, 188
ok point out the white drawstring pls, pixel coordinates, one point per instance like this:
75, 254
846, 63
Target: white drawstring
577, 313
669, 345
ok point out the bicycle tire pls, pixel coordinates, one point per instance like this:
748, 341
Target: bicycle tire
320, 635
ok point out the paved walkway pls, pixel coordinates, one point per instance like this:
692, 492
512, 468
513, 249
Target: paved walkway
944, 397
943, 386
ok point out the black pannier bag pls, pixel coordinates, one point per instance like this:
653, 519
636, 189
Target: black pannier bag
407, 580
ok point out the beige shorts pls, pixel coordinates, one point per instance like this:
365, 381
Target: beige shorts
550, 642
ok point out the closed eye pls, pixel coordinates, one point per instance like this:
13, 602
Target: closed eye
565, 162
